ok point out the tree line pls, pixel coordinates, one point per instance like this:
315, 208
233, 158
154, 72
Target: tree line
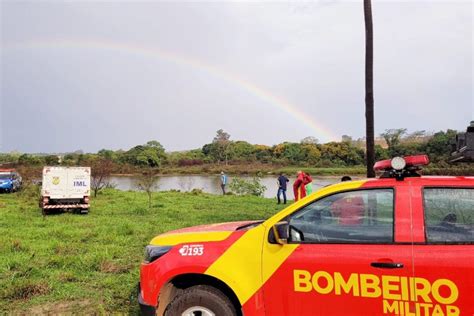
223, 150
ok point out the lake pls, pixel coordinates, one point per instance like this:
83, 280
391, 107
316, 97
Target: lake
211, 184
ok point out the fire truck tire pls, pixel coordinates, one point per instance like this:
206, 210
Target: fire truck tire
201, 300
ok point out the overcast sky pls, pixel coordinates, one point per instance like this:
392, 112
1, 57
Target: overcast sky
101, 74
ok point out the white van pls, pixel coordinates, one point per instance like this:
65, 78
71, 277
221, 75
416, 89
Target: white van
66, 188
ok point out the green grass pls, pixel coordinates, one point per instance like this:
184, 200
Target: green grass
90, 263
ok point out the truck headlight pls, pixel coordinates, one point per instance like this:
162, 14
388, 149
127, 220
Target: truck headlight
154, 252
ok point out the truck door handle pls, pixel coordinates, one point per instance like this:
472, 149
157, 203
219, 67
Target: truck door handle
387, 265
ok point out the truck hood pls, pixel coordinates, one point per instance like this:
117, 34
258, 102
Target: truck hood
202, 233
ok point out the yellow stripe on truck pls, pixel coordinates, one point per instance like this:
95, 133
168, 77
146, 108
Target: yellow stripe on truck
243, 273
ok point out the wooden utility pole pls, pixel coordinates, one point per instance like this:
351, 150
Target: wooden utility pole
369, 88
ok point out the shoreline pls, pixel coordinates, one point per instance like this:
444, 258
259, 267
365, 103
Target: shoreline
131, 175
250, 170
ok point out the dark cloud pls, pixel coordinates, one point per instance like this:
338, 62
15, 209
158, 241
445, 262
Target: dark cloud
226, 65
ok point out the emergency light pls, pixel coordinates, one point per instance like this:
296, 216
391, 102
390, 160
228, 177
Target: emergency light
400, 168
400, 163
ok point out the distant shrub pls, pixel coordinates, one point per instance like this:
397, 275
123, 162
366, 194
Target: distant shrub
30, 192
242, 186
197, 191
190, 162
110, 185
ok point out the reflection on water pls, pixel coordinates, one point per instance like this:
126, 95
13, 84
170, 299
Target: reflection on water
211, 184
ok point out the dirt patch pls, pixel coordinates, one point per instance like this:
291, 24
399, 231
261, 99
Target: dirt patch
65, 250
28, 290
113, 267
83, 307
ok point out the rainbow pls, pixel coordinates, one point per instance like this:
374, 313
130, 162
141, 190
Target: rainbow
321, 131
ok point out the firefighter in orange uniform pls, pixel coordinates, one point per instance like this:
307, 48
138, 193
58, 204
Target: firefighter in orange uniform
299, 189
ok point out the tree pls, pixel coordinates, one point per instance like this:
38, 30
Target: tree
29, 160
107, 154
152, 154
342, 154
416, 135
263, 153
393, 138
346, 139
101, 169
369, 89
241, 150
146, 182
309, 140
85, 159
69, 159
9, 158
221, 143
51, 160
221, 136
381, 153
312, 153
439, 146
290, 152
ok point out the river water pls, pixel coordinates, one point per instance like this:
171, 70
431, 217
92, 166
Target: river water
211, 184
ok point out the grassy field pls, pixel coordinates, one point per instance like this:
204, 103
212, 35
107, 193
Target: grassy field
90, 263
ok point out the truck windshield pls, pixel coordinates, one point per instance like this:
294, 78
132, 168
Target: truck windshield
5, 176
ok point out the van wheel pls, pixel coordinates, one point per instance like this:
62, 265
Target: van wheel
202, 300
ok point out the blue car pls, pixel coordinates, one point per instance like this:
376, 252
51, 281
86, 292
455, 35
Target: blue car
10, 180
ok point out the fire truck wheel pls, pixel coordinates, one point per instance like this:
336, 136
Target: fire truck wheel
201, 300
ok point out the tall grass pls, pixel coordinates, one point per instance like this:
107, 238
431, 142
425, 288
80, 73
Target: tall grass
66, 262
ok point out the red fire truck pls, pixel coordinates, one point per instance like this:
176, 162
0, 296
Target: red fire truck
401, 244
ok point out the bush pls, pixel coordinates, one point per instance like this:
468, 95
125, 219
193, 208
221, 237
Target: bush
190, 162
30, 192
242, 186
197, 191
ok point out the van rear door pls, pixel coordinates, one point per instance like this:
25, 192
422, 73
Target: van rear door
54, 182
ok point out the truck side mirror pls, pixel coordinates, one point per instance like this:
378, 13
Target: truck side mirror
281, 232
